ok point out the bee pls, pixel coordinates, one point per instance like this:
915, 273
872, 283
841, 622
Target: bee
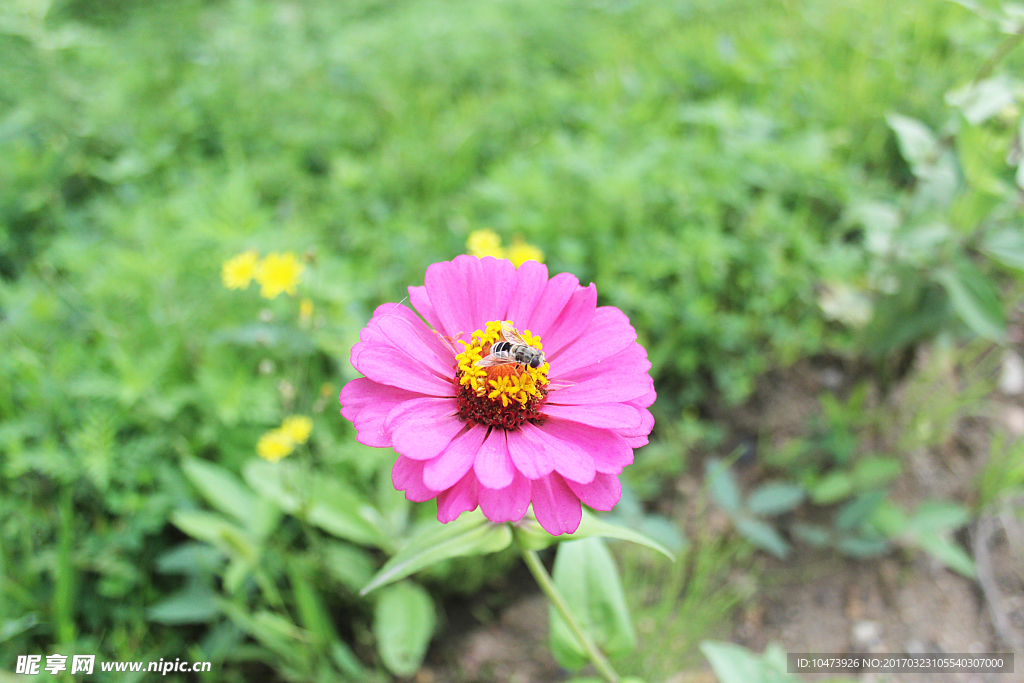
513, 350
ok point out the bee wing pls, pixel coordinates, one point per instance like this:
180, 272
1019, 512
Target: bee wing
491, 360
510, 334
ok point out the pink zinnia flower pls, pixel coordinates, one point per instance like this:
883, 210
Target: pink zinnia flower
505, 436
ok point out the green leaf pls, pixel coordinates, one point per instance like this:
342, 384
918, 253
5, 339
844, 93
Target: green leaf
722, 485
974, 299
948, 552
591, 525
190, 558
736, 664
862, 548
937, 516
322, 499
403, 622
832, 488
212, 528
586, 576
859, 510
763, 535
982, 100
196, 604
470, 534
876, 471
349, 565
1006, 246
221, 489
774, 498
917, 143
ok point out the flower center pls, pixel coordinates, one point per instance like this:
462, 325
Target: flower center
505, 395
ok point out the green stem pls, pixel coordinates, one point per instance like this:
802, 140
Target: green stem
600, 662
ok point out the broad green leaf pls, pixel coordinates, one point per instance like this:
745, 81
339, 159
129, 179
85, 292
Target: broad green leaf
938, 516
403, 622
591, 525
862, 548
875, 471
889, 519
14, 627
974, 299
948, 552
774, 498
917, 143
763, 535
348, 564
196, 604
190, 558
586, 576
212, 528
1006, 245
859, 510
221, 489
470, 534
832, 488
736, 664
722, 485
982, 100
322, 499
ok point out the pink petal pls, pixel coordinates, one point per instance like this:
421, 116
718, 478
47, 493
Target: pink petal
615, 385
531, 279
607, 449
388, 365
557, 508
529, 453
422, 428
493, 464
608, 334
421, 302
362, 392
557, 293
446, 287
405, 331
573, 321
570, 446
462, 497
508, 504
367, 404
645, 401
490, 283
407, 475
643, 428
445, 470
636, 441
601, 494
632, 358
603, 415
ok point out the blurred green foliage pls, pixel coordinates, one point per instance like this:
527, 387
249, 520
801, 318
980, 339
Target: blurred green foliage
706, 163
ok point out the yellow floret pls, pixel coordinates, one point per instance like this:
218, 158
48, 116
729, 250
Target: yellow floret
505, 388
238, 271
278, 273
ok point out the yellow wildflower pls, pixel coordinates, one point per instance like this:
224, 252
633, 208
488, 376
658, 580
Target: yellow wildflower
275, 445
485, 243
520, 252
278, 273
297, 427
238, 271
